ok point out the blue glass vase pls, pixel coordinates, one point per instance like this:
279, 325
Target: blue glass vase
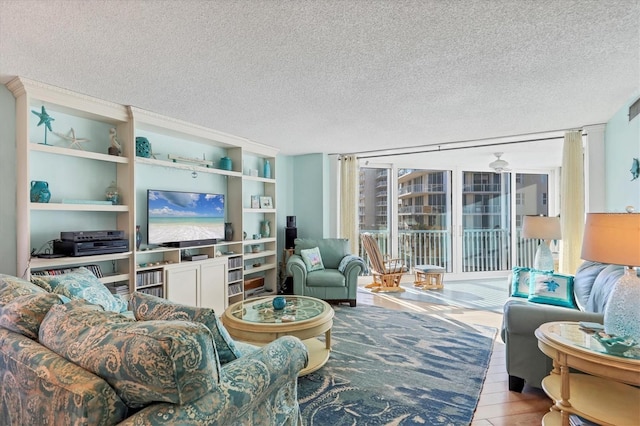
279, 303
265, 229
138, 237
225, 163
39, 192
228, 231
267, 169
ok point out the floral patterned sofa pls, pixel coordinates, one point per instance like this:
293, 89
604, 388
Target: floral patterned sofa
65, 361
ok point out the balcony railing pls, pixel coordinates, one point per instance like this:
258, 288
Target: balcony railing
421, 188
482, 187
419, 209
483, 249
479, 208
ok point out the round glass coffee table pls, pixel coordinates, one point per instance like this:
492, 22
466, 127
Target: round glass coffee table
255, 321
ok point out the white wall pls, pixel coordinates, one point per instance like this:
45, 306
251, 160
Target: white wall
310, 195
622, 145
7, 182
284, 196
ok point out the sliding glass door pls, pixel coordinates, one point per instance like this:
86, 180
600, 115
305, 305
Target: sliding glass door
373, 207
531, 198
485, 222
424, 217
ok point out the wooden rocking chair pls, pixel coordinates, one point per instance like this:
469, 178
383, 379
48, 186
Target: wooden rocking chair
386, 272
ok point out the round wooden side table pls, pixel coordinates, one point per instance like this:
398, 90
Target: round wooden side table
605, 395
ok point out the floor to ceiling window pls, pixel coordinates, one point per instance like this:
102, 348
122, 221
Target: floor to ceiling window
465, 221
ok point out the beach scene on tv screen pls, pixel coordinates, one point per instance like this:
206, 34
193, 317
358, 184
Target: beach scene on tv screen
184, 216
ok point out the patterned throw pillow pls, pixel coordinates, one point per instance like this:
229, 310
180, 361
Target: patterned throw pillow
25, 313
144, 361
82, 284
147, 307
50, 282
552, 289
312, 259
12, 287
520, 282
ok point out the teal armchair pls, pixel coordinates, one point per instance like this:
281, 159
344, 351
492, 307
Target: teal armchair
337, 281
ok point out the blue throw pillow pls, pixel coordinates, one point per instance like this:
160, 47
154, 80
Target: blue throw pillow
552, 289
520, 282
312, 259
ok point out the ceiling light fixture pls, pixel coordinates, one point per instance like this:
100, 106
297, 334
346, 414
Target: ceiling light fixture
499, 165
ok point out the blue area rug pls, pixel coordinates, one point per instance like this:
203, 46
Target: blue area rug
399, 368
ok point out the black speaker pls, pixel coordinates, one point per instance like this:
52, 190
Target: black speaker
290, 234
291, 221
287, 286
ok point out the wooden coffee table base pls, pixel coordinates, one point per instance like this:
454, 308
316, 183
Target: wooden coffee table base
318, 355
244, 324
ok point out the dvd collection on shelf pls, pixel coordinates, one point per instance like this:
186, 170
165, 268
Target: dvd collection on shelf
235, 262
149, 278
235, 289
95, 269
153, 291
235, 275
254, 292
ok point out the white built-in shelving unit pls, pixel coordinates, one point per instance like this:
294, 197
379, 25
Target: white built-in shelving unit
83, 172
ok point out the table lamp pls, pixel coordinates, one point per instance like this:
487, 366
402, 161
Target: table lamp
543, 228
615, 238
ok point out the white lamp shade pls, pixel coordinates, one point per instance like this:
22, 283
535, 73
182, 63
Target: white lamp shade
541, 227
612, 238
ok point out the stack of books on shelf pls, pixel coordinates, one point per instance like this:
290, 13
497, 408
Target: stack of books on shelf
120, 288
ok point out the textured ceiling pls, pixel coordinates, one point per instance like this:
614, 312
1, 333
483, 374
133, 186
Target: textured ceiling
338, 76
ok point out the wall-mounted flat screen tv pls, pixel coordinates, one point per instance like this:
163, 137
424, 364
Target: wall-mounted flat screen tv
176, 218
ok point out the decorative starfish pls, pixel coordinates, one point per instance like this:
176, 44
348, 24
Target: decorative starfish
71, 137
45, 119
551, 285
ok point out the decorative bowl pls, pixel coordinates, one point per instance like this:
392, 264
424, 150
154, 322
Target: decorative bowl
614, 345
279, 303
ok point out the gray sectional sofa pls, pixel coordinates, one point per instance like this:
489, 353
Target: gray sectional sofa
593, 283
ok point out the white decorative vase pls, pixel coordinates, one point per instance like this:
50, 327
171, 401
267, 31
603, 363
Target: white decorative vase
544, 259
622, 314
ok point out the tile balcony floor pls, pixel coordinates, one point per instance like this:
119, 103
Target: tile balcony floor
497, 405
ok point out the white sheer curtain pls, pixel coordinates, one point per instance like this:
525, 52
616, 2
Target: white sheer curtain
572, 202
349, 200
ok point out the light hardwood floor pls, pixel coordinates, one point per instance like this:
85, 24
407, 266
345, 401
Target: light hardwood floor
497, 405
